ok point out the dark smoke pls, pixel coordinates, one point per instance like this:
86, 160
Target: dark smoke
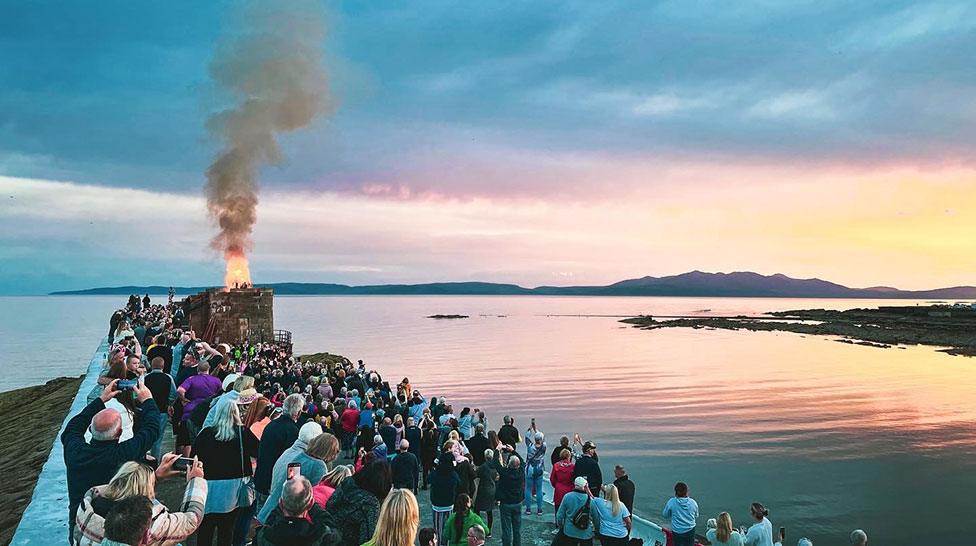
271, 63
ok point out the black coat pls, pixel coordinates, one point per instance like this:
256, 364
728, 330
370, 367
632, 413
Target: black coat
477, 445
406, 471
509, 435
589, 468
278, 436
94, 463
626, 489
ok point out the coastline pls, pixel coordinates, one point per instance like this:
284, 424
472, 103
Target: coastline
32, 421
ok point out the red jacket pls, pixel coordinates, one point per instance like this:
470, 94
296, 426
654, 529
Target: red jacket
349, 420
561, 479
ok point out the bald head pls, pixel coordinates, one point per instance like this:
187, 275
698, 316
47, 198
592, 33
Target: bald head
404, 445
107, 425
296, 496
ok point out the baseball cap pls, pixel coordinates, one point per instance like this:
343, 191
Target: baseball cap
588, 445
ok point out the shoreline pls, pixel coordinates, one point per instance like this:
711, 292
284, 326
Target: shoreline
951, 330
32, 428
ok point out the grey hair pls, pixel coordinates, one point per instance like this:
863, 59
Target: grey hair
479, 533
293, 404
226, 418
507, 419
540, 437
859, 537
404, 444
514, 462
489, 454
296, 494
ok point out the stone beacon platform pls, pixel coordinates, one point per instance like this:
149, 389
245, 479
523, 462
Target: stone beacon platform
233, 315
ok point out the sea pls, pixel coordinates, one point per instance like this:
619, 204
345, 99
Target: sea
829, 436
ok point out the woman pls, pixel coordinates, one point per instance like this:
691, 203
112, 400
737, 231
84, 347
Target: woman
722, 534
398, 425
355, 505
463, 518
398, 521
484, 499
535, 466
428, 449
614, 518
349, 423
257, 416
123, 331
323, 490
761, 532
493, 440
132, 478
561, 477
466, 424
443, 492
225, 449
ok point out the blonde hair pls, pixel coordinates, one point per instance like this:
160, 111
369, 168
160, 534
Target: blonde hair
242, 383
723, 527
613, 497
335, 476
565, 454
227, 417
453, 435
398, 520
324, 447
133, 479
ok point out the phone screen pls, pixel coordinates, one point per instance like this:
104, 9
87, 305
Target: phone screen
294, 470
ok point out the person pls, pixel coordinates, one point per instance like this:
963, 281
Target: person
398, 520
325, 488
556, 454
476, 536
510, 492
477, 444
278, 436
625, 488
349, 423
195, 390
457, 525
575, 515
258, 417
412, 433
388, 434
444, 483
379, 448
406, 468
588, 466
94, 463
161, 350
508, 434
723, 534
859, 538
145, 302
683, 511
535, 463
226, 449
466, 423
134, 479
355, 505
561, 477
163, 390
298, 519
307, 450
484, 499
128, 522
613, 519
427, 537
761, 532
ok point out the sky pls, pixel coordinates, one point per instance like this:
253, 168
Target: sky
538, 143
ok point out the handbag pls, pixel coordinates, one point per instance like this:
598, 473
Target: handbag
246, 493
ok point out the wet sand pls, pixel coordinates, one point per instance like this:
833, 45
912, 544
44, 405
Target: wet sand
32, 417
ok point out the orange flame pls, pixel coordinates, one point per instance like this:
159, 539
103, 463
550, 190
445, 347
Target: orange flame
238, 273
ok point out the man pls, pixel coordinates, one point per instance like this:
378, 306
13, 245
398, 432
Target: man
508, 434
279, 473
145, 301
683, 511
588, 467
859, 538
278, 436
575, 515
563, 444
510, 492
94, 463
406, 468
416, 406
625, 487
163, 390
160, 349
300, 521
128, 521
413, 434
389, 434
198, 388
477, 444
476, 536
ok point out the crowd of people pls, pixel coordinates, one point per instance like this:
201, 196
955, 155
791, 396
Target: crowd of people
277, 451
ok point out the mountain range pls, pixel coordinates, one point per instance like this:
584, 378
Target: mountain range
695, 283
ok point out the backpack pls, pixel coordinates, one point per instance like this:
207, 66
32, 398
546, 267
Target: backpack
581, 519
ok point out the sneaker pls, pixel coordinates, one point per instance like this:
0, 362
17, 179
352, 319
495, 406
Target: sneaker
539, 513
528, 512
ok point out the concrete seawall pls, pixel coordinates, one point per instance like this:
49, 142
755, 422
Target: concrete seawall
46, 517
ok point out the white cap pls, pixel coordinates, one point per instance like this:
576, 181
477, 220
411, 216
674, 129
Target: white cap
580, 481
228, 381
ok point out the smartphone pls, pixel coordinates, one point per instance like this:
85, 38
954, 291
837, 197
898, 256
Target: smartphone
294, 470
183, 463
127, 384
782, 533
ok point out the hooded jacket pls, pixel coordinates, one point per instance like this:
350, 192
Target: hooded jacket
290, 531
354, 512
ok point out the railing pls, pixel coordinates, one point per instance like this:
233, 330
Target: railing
642, 528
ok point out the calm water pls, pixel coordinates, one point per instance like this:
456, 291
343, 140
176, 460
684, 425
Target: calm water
828, 435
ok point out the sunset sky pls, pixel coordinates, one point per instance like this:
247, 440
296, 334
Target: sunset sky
534, 143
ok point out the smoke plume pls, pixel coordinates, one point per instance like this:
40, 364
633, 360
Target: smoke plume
271, 64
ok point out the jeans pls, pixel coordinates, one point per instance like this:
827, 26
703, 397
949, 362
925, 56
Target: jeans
157, 448
685, 539
530, 482
511, 515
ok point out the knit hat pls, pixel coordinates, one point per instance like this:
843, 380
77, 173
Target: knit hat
580, 482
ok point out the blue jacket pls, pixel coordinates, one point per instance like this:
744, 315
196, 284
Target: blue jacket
94, 463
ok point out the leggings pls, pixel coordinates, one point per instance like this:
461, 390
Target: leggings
489, 519
218, 524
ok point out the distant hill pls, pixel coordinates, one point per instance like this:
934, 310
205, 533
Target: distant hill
743, 284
